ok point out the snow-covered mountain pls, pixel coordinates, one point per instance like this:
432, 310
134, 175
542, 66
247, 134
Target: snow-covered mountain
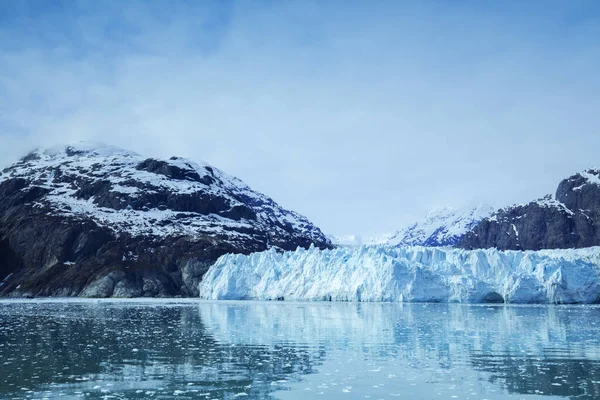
128, 193
408, 274
441, 227
90, 207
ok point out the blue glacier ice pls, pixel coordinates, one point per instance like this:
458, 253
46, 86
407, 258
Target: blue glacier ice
408, 274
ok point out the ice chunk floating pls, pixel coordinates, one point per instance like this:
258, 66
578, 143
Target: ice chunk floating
408, 274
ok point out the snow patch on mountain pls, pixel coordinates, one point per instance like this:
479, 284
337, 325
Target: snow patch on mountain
592, 176
408, 274
584, 178
550, 202
441, 227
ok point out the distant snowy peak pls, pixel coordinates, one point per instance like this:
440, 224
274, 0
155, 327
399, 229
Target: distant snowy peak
128, 193
441, 227
355, 240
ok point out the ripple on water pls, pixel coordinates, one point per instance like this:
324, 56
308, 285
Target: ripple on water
223, 350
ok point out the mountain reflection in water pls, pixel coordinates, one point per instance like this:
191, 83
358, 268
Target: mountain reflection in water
219, 350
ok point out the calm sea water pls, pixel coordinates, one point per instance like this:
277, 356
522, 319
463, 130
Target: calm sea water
224, 350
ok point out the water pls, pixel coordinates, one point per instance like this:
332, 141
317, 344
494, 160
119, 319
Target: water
224, 350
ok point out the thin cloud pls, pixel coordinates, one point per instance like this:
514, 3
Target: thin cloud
360, 117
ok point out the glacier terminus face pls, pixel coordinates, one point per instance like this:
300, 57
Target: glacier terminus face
408, 274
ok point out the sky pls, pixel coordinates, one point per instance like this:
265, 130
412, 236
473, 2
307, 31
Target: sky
361, 115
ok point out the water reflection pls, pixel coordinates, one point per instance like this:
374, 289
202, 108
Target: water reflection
222, 350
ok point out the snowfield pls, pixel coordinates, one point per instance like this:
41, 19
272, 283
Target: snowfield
408, 274
441, 227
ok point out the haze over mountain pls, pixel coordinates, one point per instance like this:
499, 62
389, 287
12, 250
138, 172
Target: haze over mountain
361, 116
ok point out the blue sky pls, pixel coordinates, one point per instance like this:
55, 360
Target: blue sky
361, 115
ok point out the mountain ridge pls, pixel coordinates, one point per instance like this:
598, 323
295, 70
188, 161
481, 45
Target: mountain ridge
568, 219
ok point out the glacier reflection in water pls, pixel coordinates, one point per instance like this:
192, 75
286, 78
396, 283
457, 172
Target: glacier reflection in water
222, 350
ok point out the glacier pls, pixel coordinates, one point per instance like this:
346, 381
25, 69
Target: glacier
408, 274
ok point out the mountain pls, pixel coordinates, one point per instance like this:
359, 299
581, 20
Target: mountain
94, 220
441, 227
569, 219
355, 240
408, 274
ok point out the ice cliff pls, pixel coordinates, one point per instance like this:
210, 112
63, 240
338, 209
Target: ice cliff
408, 274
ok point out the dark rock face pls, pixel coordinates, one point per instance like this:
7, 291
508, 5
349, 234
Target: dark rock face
581, 192
102, 222
571, 220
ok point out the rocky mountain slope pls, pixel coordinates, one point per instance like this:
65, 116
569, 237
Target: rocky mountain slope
569, 219
441, 227
94, 220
